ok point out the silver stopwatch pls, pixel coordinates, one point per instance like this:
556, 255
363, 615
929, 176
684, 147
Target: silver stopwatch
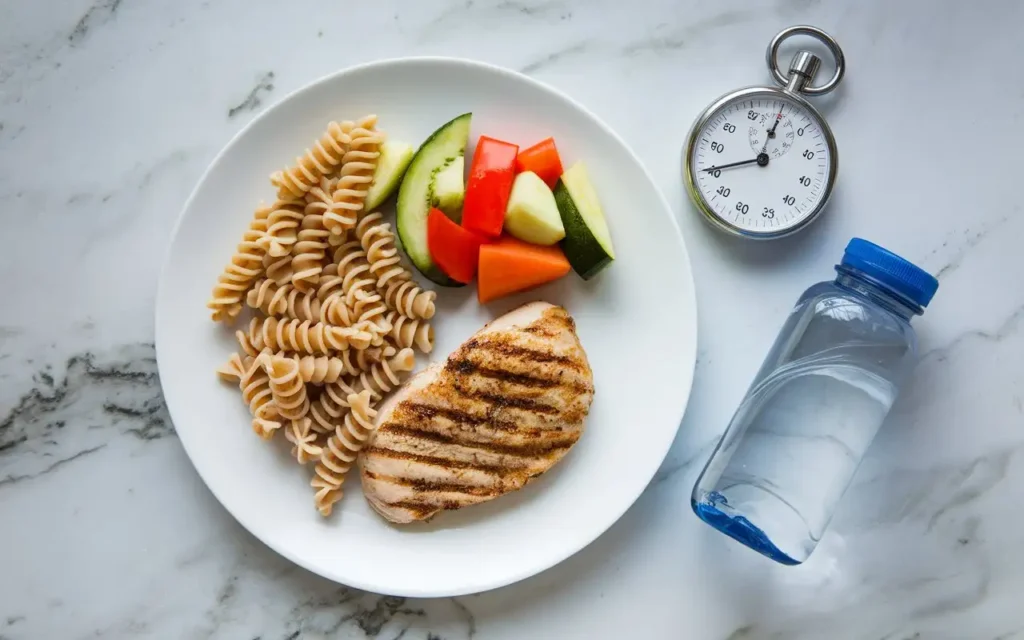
760, 162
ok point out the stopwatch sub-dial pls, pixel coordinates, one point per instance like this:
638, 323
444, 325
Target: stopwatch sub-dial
779, 143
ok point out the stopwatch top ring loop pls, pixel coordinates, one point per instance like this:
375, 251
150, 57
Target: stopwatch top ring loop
816, 33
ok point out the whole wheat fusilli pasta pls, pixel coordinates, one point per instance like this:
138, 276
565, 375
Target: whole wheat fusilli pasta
283, 226
325, 156
283, 301
381, 378
255, 386
278, 269
341, 450
302, 336
309, 252
363, 304
354, 178
331, 294
406, 332
286, 386
327, 369
393, 280
378, 379
306, 443
245, 268
329, 409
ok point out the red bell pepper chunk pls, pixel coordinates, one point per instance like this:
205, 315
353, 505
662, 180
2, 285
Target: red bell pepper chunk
489, 185
542, 159
454, 249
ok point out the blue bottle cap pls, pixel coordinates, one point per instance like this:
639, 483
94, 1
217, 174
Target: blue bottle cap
902, 276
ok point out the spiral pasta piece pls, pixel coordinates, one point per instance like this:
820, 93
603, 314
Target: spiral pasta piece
381, 378
320, 199
328, 411
341, 450
406, 332
234, 368
248, 347
354, 178
327, 369
378, 241
360, 305
283, 301
309, 252
278, 269
409, 300
245, 268
283, 224
301, 336
255, 385
306, 443
329, 291
325, 156
286, 386
394, 281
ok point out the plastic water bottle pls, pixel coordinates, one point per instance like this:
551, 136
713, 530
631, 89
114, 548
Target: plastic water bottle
826, 386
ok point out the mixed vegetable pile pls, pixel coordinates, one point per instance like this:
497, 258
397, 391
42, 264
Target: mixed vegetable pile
517, 222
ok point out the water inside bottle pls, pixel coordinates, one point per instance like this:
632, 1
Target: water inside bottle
791, 450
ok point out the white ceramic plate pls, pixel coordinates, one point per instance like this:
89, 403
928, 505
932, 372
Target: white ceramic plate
637, 321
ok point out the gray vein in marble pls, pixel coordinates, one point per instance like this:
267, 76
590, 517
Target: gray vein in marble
973, 239
253, 101
75, 413
900, 635
53, 467
1003, 331
931, 496
557, 56
978, 478
686, 33
974, 596
470, 10
470, 618
313, 607
743, 633
670, 469
539, 9
689, 31
99, 13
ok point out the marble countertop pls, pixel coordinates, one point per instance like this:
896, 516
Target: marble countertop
110, 110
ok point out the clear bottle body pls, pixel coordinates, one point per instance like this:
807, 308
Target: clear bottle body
800, 432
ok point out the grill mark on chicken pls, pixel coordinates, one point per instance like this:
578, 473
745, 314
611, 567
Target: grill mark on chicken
445, 463
520, 450
508, 349
467, 367
462, 418
511, 402
434, 485
422, 511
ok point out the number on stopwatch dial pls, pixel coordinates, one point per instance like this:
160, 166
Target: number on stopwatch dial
762, 196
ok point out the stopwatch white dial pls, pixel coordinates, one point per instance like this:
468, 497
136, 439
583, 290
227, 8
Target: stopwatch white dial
789, 183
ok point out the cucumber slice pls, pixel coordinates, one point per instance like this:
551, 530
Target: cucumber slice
440, 150
588, 245
532, 215
448, 189
391, 166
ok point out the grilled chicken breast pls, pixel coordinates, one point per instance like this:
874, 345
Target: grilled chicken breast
505, 407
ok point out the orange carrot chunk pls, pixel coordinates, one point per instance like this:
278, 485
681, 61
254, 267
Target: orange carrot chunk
509, 266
